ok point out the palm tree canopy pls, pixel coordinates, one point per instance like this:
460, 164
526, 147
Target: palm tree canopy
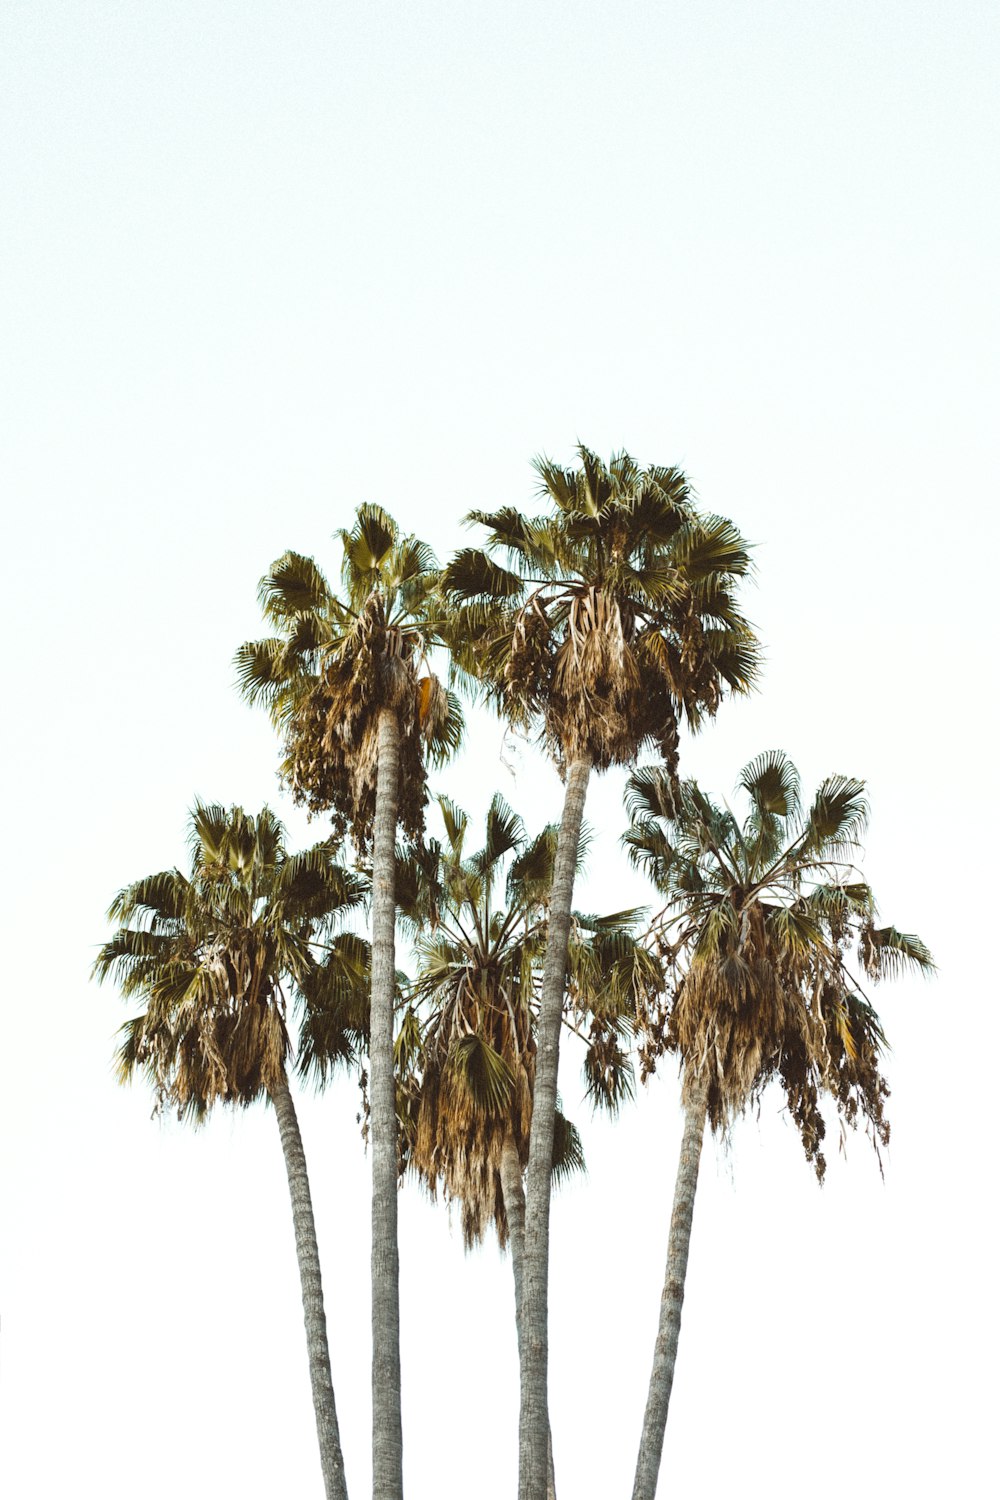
767, 924
610, 616
336, 662
215, 957
466, 1049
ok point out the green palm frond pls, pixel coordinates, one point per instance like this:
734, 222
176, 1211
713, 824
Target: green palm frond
213, 834
336, 1003
651, 793
567, 1150
367, 547
773, 784
156, 899
839, 814
473, 575
886, 952
444, 733
131, 958
420, 888
649, 850
508, 527
261, 670
456, 823
710, 546
609, 1074
414, 569
719, 931
659, 505
733, 654
841, 903
314, 886
796, 933
615, 923
305, 635
129, 1051
657, 584
504, 835
530, 876
408, 1042
293, 587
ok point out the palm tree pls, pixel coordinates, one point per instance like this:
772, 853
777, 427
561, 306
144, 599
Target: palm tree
761, 925
614, 618
216, 958
347, 682
467, 1053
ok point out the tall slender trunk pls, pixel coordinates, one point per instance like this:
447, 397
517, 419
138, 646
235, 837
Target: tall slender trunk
513, 1202
387, 1424
306, 1248
661, 1379
534, 1351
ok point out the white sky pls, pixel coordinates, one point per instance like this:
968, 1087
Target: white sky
260, 262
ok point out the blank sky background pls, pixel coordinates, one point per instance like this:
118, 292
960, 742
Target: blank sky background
260, 262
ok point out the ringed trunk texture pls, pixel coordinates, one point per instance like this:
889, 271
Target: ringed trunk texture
387, 1424
513, 1202
534, 1349
306, 1248
661, 1379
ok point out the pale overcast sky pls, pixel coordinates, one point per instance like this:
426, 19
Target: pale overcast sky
262, 261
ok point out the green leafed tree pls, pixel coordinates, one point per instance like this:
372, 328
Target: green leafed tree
467, 1052
347, 681
217, 959
608, 619
768, 933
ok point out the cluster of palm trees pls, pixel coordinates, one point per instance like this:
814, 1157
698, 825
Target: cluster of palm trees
601, 625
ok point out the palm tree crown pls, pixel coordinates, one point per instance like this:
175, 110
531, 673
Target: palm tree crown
216, 956
467, 1049
614, 615
336, 663
762, 924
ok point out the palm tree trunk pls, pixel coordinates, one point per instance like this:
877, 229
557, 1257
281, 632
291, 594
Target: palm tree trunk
513, 1202
534, 1418
387, 1424
307, 1250
672, 1299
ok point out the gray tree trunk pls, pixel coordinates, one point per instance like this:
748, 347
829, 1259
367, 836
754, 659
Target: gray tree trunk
513, 1202
387, 1424
661, 1379
307, 1250
534, 1351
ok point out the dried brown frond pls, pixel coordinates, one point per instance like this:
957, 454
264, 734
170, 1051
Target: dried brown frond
331, 740
457, 1130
